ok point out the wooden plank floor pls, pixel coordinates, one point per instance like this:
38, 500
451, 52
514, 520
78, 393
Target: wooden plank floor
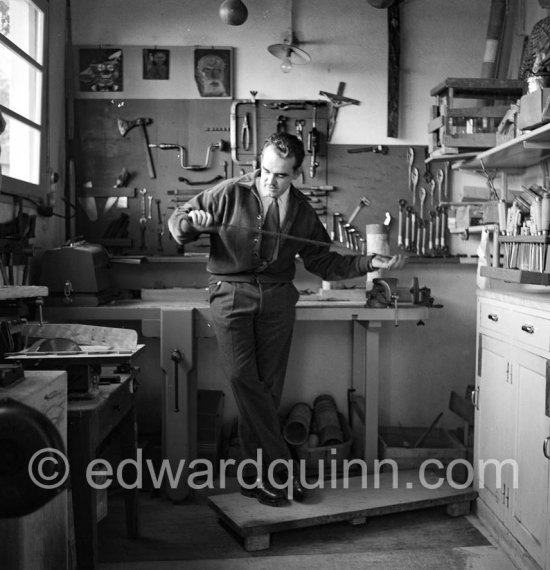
355, 500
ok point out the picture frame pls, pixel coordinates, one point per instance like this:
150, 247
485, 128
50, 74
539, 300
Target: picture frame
156, 63
213, 71
100, 69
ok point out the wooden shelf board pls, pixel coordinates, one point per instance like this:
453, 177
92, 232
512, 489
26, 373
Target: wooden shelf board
516, 275
524, 239
22, 291
138, 259
450, 157
106, 192
420, 260
474, 87
514, 153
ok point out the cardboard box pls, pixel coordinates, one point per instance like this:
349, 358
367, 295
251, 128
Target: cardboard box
534, 109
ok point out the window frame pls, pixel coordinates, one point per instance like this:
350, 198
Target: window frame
10, 185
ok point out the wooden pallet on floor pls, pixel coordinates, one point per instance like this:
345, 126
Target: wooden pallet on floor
353, 500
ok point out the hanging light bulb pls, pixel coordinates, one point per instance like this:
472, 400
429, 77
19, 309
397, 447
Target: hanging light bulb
287, 51
286, 66
233, 12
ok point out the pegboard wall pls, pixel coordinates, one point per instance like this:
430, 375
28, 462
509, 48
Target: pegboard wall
101, 152
382, 177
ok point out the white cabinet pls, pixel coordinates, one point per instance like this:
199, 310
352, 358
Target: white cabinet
512, 472
530, 504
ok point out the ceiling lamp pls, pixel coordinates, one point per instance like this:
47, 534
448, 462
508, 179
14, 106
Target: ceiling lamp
233, 12
288, 51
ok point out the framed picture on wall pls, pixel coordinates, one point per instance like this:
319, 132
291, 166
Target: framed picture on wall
213, 68
100, 69
156, 64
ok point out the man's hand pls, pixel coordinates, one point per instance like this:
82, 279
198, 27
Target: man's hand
386, 262
200, 220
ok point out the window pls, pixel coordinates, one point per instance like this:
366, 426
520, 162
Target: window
22, 94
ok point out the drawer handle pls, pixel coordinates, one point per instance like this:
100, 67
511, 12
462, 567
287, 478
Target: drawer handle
474, 397
529, 329
546, 448
492, 317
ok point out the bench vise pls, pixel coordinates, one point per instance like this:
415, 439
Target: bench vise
386, 293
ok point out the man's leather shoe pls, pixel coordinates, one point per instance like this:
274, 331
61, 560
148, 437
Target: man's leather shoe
298, 492
293, 487
266, 493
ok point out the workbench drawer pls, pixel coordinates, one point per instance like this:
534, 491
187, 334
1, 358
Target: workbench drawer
531, 330
494, 318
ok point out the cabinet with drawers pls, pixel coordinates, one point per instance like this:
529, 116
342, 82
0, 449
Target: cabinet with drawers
512, 472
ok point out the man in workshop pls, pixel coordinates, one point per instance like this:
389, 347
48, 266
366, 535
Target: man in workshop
258, 223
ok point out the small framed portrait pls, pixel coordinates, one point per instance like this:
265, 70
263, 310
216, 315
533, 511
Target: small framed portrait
100, 69
214, 71
156, 64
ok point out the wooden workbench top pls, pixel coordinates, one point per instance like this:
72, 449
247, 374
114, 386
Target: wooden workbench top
313, 309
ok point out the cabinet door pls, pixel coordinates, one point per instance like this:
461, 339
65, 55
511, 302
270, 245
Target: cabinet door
529, 507
495, 422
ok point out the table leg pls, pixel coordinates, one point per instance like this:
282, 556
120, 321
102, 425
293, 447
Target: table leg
128, 450
179, 429
371, 389
81, 450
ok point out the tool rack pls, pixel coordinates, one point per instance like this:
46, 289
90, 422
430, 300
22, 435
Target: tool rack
531, 267
469, 125
179, 134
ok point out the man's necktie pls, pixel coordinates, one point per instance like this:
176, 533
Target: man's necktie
271, 224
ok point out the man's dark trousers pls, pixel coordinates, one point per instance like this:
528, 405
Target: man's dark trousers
253, 322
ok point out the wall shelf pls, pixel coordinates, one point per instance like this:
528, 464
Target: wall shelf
22, 292
526, 150
516, 275
139, 259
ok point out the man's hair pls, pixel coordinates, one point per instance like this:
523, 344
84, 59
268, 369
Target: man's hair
287, 146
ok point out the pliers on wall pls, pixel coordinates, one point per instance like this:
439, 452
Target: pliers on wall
245, 133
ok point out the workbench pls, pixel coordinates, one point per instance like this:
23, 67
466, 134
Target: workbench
90, 423
180, 324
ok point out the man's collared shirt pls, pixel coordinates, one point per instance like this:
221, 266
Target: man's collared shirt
282, 201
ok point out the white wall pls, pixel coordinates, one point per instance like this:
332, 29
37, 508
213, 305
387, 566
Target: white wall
347, 41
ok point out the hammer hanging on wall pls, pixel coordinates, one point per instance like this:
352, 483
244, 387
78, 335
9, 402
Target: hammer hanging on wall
125, 126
